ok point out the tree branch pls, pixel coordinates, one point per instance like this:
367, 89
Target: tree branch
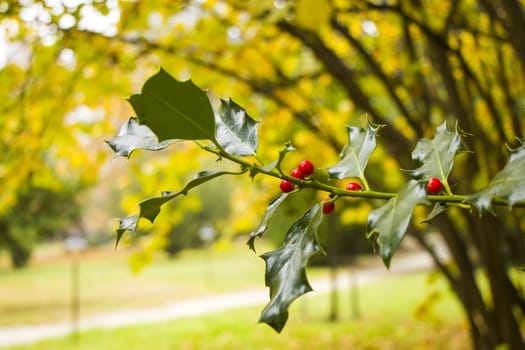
378, 72
398, 143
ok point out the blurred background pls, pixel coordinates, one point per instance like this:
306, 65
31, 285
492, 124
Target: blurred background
305, 69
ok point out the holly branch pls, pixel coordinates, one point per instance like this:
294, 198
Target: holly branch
170, 111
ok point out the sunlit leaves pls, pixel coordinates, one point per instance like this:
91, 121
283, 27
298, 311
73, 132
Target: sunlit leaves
390, 221
508, 184
236, 130
174, 109
132, 136
285, 267
311, 14
356, 153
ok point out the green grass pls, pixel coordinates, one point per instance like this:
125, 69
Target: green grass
395, 314
41, 292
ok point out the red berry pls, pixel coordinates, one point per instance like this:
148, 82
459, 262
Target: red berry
328, 208
286, 186
306, 167
434, 185
353, 186
297, 173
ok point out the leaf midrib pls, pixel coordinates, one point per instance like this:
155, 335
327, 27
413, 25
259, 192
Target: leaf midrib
235, 136
182, 114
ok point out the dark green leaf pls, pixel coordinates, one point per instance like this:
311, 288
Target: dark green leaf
285, 267
132, 136
437, 209
150, 207
124, 224
435, 157
355, 154
174, 109
508, 184
288, 147
270, 210
390, 221
236, 131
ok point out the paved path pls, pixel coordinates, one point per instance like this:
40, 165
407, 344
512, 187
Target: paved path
202, 306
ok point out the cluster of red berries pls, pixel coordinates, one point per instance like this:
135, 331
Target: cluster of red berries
306, 168
329, 207
303, 170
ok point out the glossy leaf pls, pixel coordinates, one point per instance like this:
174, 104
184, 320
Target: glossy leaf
437, 209
132, 136
288, 147
508, 184
390, 221
270, 210
174, 109
285, 267
150, 207
125, 224
236, 131
435, 157
356, 153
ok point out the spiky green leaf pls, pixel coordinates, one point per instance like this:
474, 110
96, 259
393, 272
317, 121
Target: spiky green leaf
288, 147
150, 207
390, 222
508, 184
437, 209
356, 153
270, 210
132, 136
236, 131
285, 267
174, 109
435, 157
125, 224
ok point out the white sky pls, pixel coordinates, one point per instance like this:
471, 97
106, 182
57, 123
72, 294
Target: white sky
36, 17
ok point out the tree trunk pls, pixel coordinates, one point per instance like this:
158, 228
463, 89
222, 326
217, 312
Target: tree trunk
505, 298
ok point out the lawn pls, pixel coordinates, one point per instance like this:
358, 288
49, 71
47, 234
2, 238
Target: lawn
407, 311
42, 292
399, 312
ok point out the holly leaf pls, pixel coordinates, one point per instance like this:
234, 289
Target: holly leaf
263, 226
236, 131
150, 207
355, 154
508, 184
285, 268
132, 136
125, 224
174, 109
437, 209
288, 147
390, 222
435, 157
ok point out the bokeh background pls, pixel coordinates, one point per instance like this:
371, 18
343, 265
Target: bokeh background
305, 69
